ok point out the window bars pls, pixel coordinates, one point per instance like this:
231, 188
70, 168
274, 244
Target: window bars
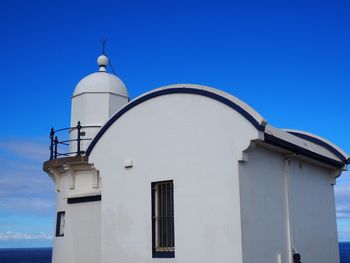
163, 241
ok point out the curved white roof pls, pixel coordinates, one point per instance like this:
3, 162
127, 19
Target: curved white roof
244, 109
318, 147
318, 140
101, 82
241, 104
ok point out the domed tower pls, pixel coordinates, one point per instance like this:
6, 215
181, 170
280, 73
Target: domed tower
96, 98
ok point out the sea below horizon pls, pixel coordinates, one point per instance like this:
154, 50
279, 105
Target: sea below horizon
43, 255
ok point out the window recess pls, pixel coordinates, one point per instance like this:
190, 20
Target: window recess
163, 240
60, 223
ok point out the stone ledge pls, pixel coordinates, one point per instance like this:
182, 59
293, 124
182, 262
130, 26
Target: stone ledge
54, 163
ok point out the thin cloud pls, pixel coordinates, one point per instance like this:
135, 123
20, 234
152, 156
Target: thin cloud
34, 205
27, 194
29, 149
24, 187
6, 236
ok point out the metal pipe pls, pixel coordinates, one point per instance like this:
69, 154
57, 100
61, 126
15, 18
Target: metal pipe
287, 205
52, 133
56, 142
78, 138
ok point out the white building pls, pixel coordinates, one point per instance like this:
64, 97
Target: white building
187, 173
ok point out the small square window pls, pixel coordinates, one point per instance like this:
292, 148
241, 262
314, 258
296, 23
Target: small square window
163, 240
60, 222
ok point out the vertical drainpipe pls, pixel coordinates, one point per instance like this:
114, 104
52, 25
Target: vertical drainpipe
287, 205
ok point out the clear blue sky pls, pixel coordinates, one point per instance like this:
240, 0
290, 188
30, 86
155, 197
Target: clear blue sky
290, 60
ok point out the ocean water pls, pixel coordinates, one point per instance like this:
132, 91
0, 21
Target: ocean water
25, 255
43, 255
344, 251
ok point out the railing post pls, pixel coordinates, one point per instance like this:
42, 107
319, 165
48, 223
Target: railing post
78, 138
52, 133
56, 142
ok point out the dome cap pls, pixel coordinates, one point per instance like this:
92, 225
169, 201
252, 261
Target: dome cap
101, 81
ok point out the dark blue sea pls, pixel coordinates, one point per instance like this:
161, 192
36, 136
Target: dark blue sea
43, 255
25, 255
344, 251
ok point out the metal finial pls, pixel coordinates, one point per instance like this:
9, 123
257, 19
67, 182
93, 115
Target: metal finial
103, 42
105, 61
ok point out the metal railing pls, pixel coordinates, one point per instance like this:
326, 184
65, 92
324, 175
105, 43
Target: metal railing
55, 142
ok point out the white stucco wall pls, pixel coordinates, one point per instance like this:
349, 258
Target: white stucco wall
264, 226
193, 140
62, 246
270, 183
81, 240
313, 216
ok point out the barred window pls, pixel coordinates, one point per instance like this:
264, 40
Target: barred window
163, 241
60, 222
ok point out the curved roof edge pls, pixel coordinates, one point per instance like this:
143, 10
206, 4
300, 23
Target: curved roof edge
322, 142
241, 107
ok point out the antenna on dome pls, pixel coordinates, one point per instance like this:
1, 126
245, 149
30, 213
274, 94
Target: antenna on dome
103, 42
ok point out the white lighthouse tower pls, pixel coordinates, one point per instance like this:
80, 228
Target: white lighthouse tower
96, 98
